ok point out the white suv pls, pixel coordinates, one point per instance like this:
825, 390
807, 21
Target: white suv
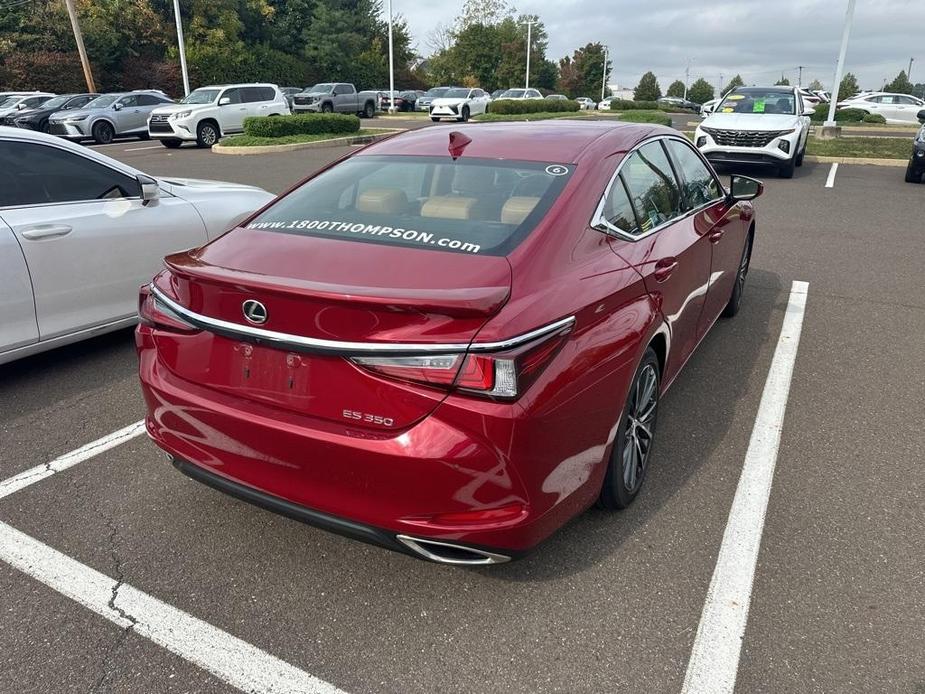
209, 113
757, 125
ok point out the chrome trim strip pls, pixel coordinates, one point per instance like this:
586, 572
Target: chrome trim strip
415, 544
598, 221
313, 344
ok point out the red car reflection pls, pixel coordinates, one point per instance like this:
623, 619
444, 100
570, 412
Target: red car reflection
448, 343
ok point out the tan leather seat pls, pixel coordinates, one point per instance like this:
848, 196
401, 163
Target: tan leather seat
448, 207
516, 210
383, 201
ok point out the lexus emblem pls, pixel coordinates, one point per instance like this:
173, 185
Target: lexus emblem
254, 311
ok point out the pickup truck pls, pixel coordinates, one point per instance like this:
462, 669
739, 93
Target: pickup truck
335, 97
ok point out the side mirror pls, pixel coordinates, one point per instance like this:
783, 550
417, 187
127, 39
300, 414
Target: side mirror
743, 188
117, 107
150, 190
20, 106
224, 101
921, 116
809, 111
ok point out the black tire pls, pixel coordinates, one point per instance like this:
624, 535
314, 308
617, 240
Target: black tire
786, 170
912, 176
799, 161
435, 120
738, 289
103, 133
145, 135
206, 135
327, 108
171, 144
464, 114
44, 127
370, 110
632, 448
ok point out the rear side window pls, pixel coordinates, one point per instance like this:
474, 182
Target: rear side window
618, 210
252, 94
652, 186
233, 95
468, 206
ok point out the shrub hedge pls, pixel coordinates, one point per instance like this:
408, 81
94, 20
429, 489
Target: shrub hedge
627, 105
517, 106
875, 118
850, 115
300, 124
646, 117
820, 113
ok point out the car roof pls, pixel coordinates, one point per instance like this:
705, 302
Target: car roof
26, 135
561, 140
236, 84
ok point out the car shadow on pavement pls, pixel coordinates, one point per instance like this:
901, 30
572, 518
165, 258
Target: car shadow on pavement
695, 418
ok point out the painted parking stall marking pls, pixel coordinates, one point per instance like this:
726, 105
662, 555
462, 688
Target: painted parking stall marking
227, 657
68, 460
714, 661
830, 181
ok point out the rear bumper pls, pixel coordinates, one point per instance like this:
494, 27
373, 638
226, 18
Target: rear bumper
370, 485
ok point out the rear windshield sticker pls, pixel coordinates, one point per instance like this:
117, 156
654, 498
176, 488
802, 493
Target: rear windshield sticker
735, 97
556, 170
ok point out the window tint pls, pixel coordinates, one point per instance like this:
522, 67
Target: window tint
652, 186
234, 94
618, 210
469, 206
129, 101
32, 174
79, 101
698, 184
253, 94
149, 100
908, 100
35, 101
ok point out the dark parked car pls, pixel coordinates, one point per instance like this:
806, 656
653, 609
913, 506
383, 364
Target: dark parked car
448, 343
404, 101
37, 118
916, 169
290, 92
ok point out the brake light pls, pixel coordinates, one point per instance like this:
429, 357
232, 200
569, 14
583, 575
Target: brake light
503, 375
152, 312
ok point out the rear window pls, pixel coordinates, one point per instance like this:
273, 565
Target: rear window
475, 206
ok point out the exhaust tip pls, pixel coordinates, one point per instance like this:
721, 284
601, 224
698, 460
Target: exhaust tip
449, 553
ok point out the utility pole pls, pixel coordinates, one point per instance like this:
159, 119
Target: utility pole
839, 69
604, 81
719, 89
529, 24
909, 71
687, 78
391, 64
182, 46
800, 77
79, 39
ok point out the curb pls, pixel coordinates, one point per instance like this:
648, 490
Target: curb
856, 160
293, 146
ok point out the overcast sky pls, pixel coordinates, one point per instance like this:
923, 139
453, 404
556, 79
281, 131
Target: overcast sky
758, 38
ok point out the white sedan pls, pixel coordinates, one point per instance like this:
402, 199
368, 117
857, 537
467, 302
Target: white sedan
459, 103
895, 108
80, 232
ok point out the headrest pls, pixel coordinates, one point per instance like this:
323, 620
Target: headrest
383, 201
448, 207
473, 179
516, 210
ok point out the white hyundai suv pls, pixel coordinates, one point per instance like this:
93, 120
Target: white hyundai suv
209, 113
757, 125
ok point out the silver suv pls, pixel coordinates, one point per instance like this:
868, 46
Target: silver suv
109, 116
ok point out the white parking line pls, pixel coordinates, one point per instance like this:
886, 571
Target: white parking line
227, 657
85, 452
714, 659
138, 149
830, 181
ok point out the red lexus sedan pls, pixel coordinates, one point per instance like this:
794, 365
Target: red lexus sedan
449, 342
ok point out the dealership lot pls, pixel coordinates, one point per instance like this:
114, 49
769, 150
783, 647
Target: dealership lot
611, 602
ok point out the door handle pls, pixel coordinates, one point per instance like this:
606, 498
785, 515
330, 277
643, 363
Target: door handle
664, 268
716, 235
45, 231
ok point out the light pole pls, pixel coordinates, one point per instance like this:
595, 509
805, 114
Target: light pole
604, 81
182, 46
830, 125
529, 24
391, 64
909, 71
687, 77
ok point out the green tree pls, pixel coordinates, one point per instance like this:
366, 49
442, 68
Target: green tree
736, 81
647, 89
782, 82
815, 86
701, 91
676, 89
900, 85
485, 12
583, 73
848, 87
919, 90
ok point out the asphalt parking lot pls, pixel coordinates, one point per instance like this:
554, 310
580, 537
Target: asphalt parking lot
613, 601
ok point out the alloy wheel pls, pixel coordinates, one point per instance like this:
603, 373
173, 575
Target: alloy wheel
639, 430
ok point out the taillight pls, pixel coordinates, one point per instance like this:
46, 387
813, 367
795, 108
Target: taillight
503, 375
154, 313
